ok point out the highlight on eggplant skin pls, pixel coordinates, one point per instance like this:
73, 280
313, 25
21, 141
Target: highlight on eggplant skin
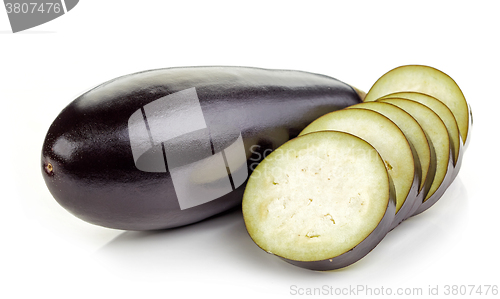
91, 169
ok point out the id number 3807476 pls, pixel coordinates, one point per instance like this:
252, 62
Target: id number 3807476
33, 8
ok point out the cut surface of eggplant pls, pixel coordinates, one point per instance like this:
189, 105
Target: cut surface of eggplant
321, 201
428, 80
417, 138
442, 111
413, 132
434, 127
388, 139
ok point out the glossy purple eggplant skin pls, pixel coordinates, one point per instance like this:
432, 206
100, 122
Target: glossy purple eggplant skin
87, 161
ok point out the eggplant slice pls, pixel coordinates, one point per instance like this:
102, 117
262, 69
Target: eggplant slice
321, 201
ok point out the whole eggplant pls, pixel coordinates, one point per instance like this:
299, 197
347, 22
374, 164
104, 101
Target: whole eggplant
169, 147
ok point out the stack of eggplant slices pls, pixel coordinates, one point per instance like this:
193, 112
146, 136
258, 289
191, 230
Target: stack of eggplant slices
325, 199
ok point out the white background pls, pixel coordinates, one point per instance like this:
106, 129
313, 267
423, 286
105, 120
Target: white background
46, 251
